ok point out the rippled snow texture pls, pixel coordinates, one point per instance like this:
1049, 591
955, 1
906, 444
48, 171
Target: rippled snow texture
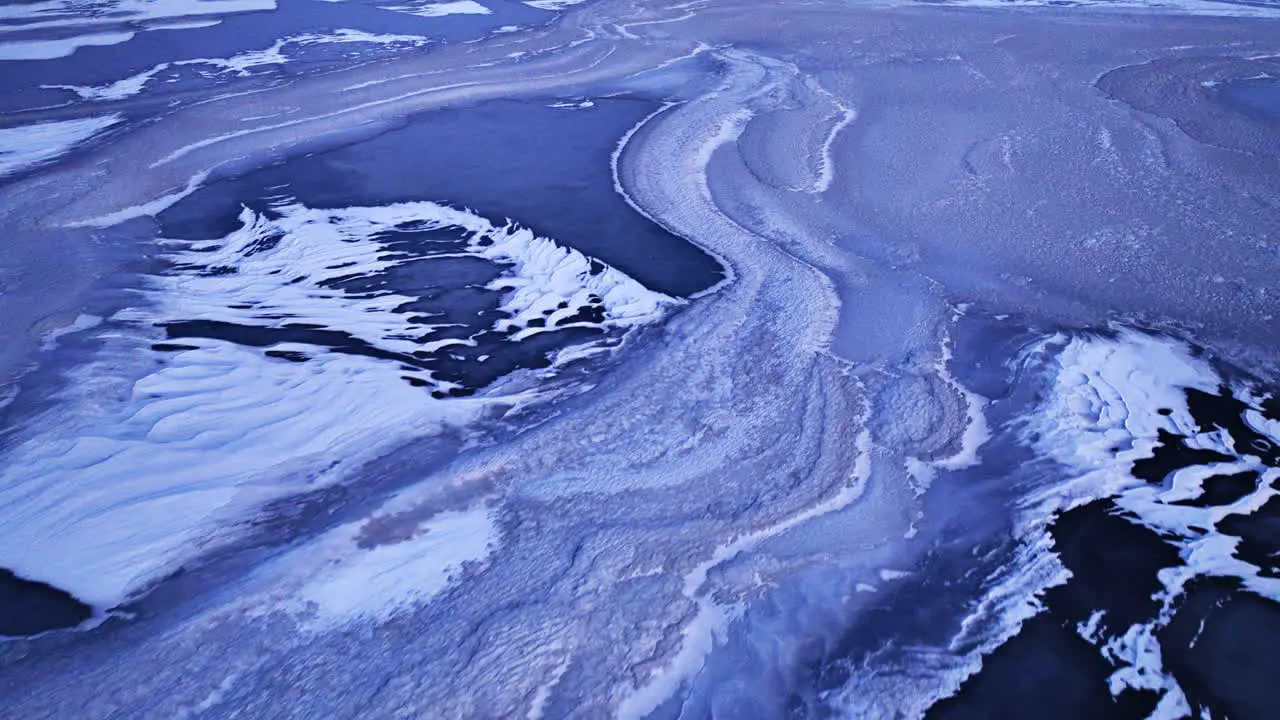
150, 464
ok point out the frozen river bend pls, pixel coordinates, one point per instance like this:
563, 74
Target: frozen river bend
708, 359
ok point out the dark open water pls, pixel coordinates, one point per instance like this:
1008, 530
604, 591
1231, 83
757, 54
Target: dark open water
547, 168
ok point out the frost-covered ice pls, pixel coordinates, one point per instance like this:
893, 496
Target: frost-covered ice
1234, 8
811, 488
26, 27
241, 64
59, 13
350, 582
553, 4
440, 9
26, 146
145, 471
713, 616
976, 432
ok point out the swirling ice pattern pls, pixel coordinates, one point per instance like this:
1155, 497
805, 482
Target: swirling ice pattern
147, 468
622, 555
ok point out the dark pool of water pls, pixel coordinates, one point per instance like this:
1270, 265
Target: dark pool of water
546, 168
28, 607
1218, 644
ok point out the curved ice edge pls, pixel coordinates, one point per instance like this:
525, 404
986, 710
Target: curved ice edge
151, 208
976, 432
1110, 396
616, 158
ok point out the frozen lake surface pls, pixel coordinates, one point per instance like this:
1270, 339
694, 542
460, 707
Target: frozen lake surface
742, 359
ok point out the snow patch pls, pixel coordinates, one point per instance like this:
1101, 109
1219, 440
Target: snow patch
1111, 397
545, 286
150, 459
374, 583
26, 146
59, 47
553, 5
441, 9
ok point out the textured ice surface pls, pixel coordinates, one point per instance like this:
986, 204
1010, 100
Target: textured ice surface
1114, 402
48, 29
241, 64
440, 9
373, 582
147, 467
553, 4
26, 146
699, 534
1240, 8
